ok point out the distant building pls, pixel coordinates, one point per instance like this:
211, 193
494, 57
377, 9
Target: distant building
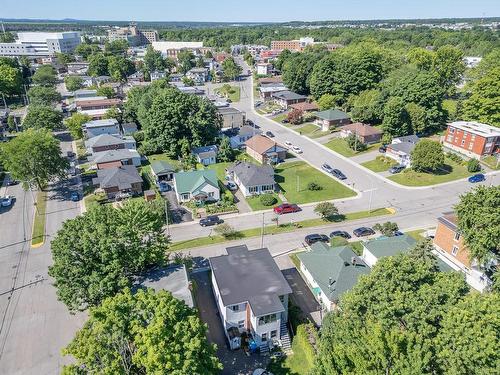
263, 69
198, 75
172, 49
231, 117
292, 45
132, 35
39, 44
472, 139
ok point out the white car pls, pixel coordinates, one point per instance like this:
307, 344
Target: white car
288, 144
6, 201
261, 371
297, 149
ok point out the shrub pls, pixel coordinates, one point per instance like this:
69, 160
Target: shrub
456, 158
326, 210
268, 199
355, 143
387, 229
225, 230
473, 165
313, 186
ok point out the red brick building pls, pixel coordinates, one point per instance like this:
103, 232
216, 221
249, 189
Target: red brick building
473, 139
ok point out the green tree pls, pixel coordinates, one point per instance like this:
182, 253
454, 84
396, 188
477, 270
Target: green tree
231, 70
34, 157
42, 116
297, 70
75, 124
427, 156
396, 119
100, 252
282, 58
10, 80
185, 59
423, 251
417, 116
327, 101
45, 76
11, 123
225, 230
422, 58
484, 102
367, 107
64, 58
469, 340
473, 165
354, 143
142, 333
43, 95
73, 83
86, 49
153, 60
226, 152
116, 47
120, 67
106, 91
449, 64
387, 229
113, 112
98, 65
7, 37
479, 222
326, 210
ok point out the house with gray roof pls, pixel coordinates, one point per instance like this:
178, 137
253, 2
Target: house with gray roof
104, 142
115, 158
122, 179
401, 148
200, 185
162, 170
252, 179
242, 135
205, 155
286, 98
251, 295
330, 272
98, 127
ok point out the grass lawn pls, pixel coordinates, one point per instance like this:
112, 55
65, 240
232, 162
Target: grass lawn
340, 146
293, 178
81, 151
256, 205
233, 94
174, 163
38, 234
280, 118
379, 164
450, 172
491, 162
416, 234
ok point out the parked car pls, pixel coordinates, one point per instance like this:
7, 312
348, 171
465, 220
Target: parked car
258, 103
313, 238
288, 144
297, 149
261, 371
286, 208
382, 149
121, 196
340, 233
75, 196
269, 134
327, 168
232, 186
396, 169
363, 231
398, 233
6, 201
70, 154
12, 182
211, 220
163, 186
337, 173
477, 178
285, 121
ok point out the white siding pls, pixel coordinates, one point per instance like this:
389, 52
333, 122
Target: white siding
368, 257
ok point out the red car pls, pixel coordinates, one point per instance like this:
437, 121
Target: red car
286, 208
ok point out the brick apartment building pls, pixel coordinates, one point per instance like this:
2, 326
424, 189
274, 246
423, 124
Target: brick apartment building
292, 45
472, 139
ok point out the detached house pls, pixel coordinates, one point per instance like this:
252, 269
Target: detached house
286, 98
105, 142
401, 148
332, 118
243, 134
198, 75
265, 150
366, 133
98, 127
115, 158
205, 155
162, 171
231, 117
251, 295
200, 185
122, 179
380, 247
253, 179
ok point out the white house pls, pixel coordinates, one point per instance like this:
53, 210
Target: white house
401, 148
98, 127
243, 134
253, 179
200, 185
252, 296
264, 68
380, 247
205, 155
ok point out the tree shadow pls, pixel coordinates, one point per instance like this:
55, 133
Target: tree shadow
335, 218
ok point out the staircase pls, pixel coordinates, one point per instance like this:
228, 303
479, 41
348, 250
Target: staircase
286, 345
264, 348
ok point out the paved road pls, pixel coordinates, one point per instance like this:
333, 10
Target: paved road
34, 326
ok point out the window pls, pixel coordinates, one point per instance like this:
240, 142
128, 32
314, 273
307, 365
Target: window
264, 337
463, 142
253, 189
449, 138
235, 307
454, 251
471, 145
273, 334
465, 134
211, 194
473, 137
451, 130
267, 319
241, 324
457, 236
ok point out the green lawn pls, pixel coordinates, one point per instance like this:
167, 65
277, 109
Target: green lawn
280, 118
293, 178
340, 146
38, 235
233, 94
450, 172
416, 234
256, 205
379, 164
491, 162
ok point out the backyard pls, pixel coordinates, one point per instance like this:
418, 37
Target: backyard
379, 164
230, 92
340, 146
450, 171
295, 177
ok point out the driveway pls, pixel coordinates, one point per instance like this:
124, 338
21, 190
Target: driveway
235, 362
241, 202
179, 213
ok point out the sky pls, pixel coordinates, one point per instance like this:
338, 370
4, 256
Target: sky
246, 11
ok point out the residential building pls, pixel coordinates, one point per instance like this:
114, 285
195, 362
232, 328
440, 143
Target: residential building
330, 272
173, 278
268, 80
158, 74
136, 77
87, 104
78, 67
119, 179
472, 139
380, 247
367, 134
115, 158
450, 247
83, 94
205, 155
105, 142
332, 118
401, 148
269, 55
40, 44
242, 135
149, 36
198, 75
98, 127
252, 179
132, 35
162, 171
263, 69
96, 114
251, 295
304, 106
171, 49
292, 45
267, 90
231, 117
129, 128
199, 185
265, 150
286, 98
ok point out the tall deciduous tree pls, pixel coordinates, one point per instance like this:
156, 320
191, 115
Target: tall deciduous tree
427, 156
98, 253
396, 119
34, 157
43, 95
10, 80
86, 49
297, 70
106, 91
226, 152
42, 116
98, 65
367, 107
75, 124
142, 333
45, 76
153, 60
327, 101
73, 83
185, 58
231, 70
484, 103
479, 222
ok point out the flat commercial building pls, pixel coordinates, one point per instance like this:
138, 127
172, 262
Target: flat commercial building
38, 44
133, 35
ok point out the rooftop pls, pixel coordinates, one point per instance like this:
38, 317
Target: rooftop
289, 95
122, 177
332, 115
114, 155
390, 246
161, 166
404, 147
361, 129
305, 106
250, 275
205, 151
260, 144
228, 110
105, 140
251, 175
192, 181
101, 123
476, 128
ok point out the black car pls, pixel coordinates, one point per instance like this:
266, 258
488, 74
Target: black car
12, 182
313, 238
363, 231
210, 220
340, 233
269, 134
337, 173
382, 149
396, 169
285, 121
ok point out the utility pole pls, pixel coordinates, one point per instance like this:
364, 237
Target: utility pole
262, 233
166, 217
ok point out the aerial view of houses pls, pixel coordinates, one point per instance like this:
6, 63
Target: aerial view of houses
194, 188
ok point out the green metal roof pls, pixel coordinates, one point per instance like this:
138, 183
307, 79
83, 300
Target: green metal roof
325, 263
161, 166
390, 246
332, 115
193, 181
